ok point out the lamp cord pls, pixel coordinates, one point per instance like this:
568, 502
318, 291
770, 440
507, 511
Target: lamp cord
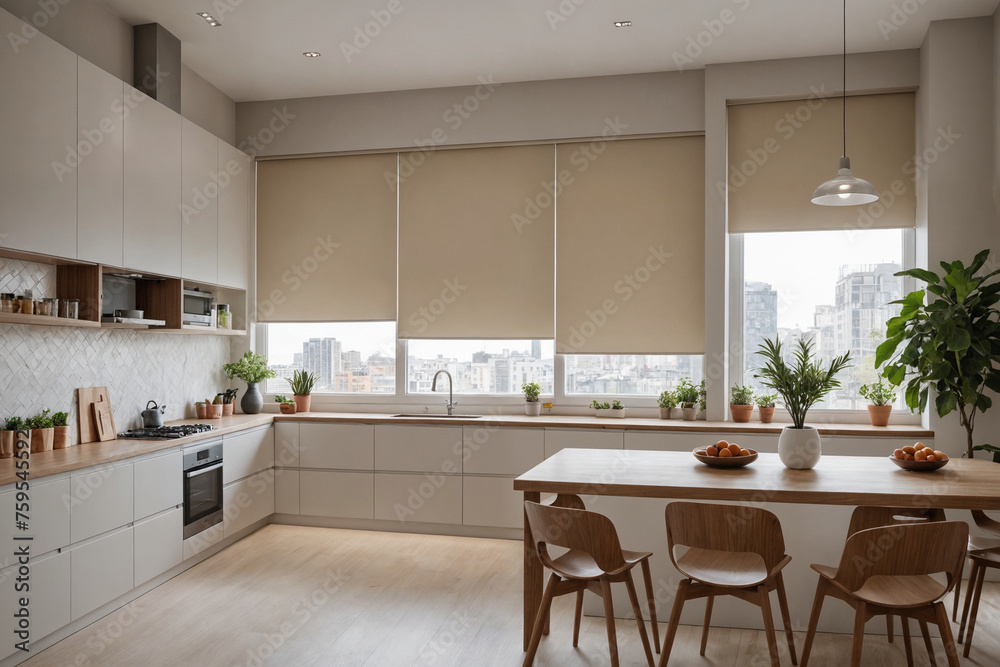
845, 79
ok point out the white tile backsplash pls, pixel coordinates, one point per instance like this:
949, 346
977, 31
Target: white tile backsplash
17, 277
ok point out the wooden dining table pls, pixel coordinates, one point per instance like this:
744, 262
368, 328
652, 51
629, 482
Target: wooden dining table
836, 480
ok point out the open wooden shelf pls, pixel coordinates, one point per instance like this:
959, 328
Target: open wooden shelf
46, 320
188, 330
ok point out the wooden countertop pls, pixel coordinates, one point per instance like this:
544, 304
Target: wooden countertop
836, 480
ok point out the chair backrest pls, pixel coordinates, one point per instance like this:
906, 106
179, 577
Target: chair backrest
570, 500
574, 529
733, 528
904, 550
868, 516
984, 522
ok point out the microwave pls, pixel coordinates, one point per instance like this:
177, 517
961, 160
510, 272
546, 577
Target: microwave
199, 309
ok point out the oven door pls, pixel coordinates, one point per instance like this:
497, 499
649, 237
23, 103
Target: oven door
202, 498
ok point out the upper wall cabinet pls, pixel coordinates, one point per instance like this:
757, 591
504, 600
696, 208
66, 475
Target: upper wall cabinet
200, 207
152, 186
101, 135
38, 129
235, 170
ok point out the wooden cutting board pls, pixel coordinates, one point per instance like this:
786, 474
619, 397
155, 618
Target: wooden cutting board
103, 422
85, 398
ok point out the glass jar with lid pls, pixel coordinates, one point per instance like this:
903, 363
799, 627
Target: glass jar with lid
9, 303
225, 318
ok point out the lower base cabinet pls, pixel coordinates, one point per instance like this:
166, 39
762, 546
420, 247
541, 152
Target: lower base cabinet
158, 544
492, 501
345, 495
429, 498
49, 599
247, 501
101, 571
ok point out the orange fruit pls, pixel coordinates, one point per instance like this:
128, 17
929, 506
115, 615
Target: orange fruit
909, 457
899, 454
940, 456
712, 451
919, 446
920, 455
722, 443
931, 457
734, 449
725, 453
701, 452
909, 449
744, 452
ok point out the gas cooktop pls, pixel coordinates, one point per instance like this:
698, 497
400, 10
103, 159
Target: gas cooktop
166, 432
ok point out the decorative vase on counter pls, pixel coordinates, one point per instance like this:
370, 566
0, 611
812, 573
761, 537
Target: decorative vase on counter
252, 402
799, 448
302, 402
60, 439
533, 408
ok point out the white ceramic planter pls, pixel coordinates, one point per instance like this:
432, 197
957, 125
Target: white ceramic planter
690, 414
799, 448
611, 413
533, 408
664, 413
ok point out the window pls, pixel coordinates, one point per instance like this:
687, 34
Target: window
831, 287
346, 357
628, 375
480, 366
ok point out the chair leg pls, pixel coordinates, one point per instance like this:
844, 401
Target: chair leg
814, 619
675, 619
765, 609
786, 618
905, 623
577, 618
651, 601
637, 610
888, 627
609, 620
969, 590
949, 643
709, 603
857, 644
927, 643
975, 610
543, 611
958, 591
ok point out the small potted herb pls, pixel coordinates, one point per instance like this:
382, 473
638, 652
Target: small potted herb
302, 384
286, 406
532, 404
765, 406
42, 431
741, 403
688, 397
60, 438
229, 402
252, 369
8, 435
615, 409
881, 397
667, 402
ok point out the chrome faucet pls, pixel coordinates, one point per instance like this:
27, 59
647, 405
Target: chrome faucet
451, 403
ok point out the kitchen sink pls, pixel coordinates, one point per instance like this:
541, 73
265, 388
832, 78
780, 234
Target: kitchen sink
426, 415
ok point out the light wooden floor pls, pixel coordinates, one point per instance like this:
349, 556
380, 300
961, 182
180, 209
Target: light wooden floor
314, 596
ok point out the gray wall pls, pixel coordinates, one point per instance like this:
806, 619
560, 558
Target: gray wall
205, 105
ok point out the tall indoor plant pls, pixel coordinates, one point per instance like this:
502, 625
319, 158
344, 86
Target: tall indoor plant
950, 344
800, 385
252, 369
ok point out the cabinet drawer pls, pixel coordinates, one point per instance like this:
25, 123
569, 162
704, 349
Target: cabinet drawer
158, 484
101, 571
158, 544
347, 495
100, 501
286, 444
418, 448
49, 517
247, 501
245, 453
286, 491
492, 501
559, 439
337, 446
50, 593
419, 498
502, 451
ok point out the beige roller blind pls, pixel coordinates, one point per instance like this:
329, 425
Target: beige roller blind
326, 239
476, 244
631, 247
779, 152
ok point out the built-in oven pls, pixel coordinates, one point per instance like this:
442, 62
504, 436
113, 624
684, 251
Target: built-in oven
202, 487
198, 308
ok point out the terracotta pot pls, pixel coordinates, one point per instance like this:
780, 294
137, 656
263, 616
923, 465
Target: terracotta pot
879, 414
7, 444
201, 410
227, 409
60, 439
41, 439
532, 408
213, 411
302, 402
766, 414
287, 408
741, 413
665, 413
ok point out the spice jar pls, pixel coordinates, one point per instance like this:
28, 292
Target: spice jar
52, 306
225, 318
8, 303
70, 309
27, 305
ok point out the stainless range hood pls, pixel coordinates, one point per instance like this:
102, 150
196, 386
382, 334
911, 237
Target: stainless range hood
157, 64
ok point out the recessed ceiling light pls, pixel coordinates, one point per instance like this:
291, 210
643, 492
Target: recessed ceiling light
212, 21
623, 24
312, 54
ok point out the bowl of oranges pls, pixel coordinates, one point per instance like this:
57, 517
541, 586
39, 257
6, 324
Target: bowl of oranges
919, 458
725, 454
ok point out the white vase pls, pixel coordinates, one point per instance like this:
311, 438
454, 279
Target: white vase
533, 408
799, 448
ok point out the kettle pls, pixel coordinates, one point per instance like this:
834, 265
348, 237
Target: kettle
153, 417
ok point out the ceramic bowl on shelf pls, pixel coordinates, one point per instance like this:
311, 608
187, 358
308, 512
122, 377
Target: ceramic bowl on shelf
919, 466
725, 461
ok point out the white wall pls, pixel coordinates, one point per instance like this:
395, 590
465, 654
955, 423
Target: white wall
207, 106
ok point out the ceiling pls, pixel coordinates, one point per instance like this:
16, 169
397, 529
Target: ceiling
257, 52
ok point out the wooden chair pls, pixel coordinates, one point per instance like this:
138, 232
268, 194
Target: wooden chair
594, 561
984, 553
887, 571
736, 551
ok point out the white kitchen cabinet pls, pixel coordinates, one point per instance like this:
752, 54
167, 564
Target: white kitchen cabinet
152, 208
49, 599
492, 501
234, 215
286, 444
101, 570
247, 501
200, 204
100, 500
502, 451
286, 491
38, 130
49, 517
158, 484
429, 498
203, 540
348, 495
100, 196
418, 448
246, 453
158, 544
337, 446
562, 438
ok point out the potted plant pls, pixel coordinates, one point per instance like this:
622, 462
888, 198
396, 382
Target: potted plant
42, 431
252, 369
688, 397
666, 402
800, 385
302, 384
880, 396
948, 344
702, 400
741, 403
615, 409
765, 406
60, 437
532, 404
8, 436
286, 406
229, 402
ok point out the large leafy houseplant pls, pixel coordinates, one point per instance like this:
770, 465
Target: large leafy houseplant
251, 368
801, 384
950, 343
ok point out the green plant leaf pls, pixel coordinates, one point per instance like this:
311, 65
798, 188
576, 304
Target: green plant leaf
959, 340
946, 402
920, 274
